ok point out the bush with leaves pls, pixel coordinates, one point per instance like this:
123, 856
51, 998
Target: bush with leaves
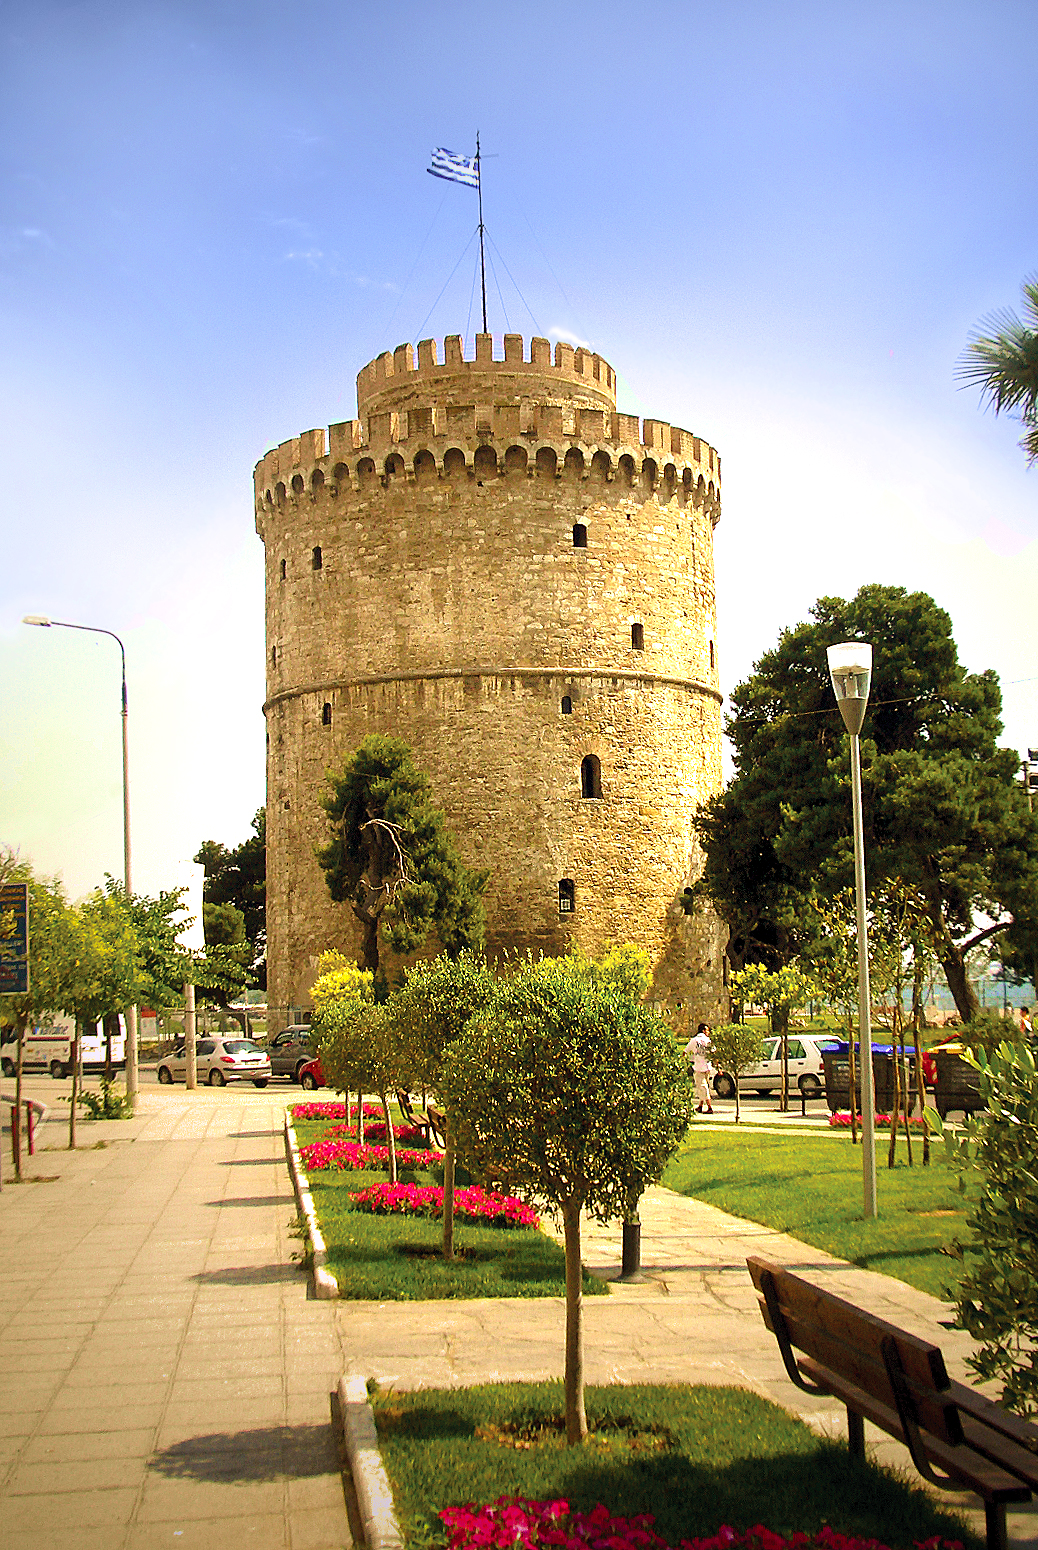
997, 1299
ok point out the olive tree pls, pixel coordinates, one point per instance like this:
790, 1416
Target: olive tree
570, 1091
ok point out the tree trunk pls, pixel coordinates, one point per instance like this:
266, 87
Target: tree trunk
369, 939
390, 1138
953, 963
448, 1190
576, 1418
896, 1090
360, 1119
917, 1017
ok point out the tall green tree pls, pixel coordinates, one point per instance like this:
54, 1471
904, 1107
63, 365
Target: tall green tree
942, 808
1002, 360
392, 859
238, 877
568, 1089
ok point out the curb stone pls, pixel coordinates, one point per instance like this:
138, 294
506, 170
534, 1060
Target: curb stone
325, 1284
370, 1481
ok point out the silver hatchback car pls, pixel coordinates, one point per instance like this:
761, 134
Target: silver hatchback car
217, 1061
805, 1068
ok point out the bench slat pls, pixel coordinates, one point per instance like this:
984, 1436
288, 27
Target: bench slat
988, 1413
922, 1360
980, 1474
933, 1412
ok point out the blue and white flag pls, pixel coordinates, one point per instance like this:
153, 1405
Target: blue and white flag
456, 169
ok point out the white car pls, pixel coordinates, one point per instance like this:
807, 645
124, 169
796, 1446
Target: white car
805, 1068
218, 1061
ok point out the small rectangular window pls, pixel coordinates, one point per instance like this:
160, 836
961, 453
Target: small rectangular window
315, 560
637, 637
567, 896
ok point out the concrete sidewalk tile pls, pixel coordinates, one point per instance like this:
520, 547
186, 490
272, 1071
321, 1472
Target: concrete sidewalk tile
116, 1418
63, 1474
252, 1530
133, 1443
213, 1391
228, 1416
320, 1528
51, 1514
186, 1498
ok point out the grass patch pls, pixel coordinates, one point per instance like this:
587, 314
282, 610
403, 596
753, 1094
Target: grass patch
811, 1187
394, 1258
694, 1457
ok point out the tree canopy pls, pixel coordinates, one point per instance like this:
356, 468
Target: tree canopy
392, 859
238, 878
942, 808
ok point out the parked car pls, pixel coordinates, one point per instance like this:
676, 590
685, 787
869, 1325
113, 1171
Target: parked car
217, 1061
290, 1050
805, 1068
311, 1076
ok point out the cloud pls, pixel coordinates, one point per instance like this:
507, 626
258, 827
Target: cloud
555, 332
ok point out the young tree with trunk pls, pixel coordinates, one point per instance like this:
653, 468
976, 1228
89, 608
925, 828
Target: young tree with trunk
942, 807
570, 1091
426, 1017
392, 859
736, 1047
356, 1043
781, 991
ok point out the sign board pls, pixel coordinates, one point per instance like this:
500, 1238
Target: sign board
14, 939
190, 877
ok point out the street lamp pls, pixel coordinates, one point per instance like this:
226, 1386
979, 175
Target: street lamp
850, 668
131, 1013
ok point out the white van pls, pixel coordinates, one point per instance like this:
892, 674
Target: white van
48, 1047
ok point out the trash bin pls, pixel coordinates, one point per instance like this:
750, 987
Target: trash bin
837, 1066
958, 1084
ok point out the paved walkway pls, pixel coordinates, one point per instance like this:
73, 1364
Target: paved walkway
165, 1380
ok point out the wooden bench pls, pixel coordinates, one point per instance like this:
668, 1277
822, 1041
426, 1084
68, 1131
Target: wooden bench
430, 1123
899, 1383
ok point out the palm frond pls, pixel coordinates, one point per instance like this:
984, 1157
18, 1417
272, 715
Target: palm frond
1002, 358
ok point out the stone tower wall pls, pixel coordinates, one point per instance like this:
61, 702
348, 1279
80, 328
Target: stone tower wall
477, 548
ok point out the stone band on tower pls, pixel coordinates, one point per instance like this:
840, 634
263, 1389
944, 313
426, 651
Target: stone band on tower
494, 565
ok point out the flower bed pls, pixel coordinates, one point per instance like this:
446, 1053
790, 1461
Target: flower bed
427, 1200
335, 1110
528, 1525
376, 1130
350, 1155
842, 1121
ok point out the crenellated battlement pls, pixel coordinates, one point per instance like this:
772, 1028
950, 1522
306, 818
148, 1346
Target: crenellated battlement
394, 380
535, 439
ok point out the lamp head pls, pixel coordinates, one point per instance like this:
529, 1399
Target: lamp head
37, 619
850, 668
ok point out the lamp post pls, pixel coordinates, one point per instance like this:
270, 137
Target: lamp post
131, 1013
850, 668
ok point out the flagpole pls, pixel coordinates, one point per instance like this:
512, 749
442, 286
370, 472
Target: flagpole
482, 269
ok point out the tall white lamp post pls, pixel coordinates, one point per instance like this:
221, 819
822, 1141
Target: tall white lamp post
850, 668
131, 1014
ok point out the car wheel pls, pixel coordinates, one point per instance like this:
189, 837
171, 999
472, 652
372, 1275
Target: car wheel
810, 1086
297, 1073
308, 1082
58, 1070
260, 1081
724, 1087
215, 1078
7, 1066
165, 1076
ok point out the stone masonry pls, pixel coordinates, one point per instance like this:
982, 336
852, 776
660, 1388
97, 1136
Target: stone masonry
494, 565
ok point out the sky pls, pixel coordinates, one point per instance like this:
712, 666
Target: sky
779, 222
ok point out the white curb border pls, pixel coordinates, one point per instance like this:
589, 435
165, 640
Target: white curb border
370, 1481
325, 1284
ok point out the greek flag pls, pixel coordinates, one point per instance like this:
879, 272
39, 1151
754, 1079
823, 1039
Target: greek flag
456, 169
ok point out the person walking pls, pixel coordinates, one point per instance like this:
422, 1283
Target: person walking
698, 1048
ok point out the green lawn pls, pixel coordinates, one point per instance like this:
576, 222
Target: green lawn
694, 1457
394, 1258
811, 1187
